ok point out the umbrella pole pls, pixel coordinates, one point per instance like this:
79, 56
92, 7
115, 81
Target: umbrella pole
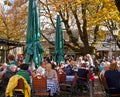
32, 66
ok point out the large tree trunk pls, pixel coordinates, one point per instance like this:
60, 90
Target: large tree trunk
87, 50
117, 2
84, 27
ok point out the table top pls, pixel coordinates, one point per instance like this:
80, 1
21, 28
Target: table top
69, 78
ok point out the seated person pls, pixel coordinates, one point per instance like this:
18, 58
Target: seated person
3, 69
82, 74
75, 66
50, 73
41, 68
69, 68
3, 66
23, 72
61, 68
113, 78
8, 75
53, 65
11, 59
67, 63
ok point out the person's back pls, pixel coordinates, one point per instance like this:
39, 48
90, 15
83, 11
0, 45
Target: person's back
113, 76
8, 75
23, 72
82, 74
69, 70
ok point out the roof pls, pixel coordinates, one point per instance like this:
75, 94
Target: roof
102, 49
10, 43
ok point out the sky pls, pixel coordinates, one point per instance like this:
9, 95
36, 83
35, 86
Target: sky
5, 6
11, 0
1, 1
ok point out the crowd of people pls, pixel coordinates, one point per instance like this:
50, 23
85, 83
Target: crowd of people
84, 67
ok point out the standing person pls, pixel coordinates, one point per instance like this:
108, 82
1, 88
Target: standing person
11, 60
80, 61
101, 66
90, 60
83, 77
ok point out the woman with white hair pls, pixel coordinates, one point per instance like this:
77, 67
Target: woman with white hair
90, 60
8, 75
105, 68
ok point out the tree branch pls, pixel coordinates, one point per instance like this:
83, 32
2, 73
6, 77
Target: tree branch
117, 3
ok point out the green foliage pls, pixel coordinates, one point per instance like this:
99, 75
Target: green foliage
13, 21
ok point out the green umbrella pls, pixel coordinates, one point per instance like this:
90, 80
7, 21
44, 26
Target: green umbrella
33, 50
59, 43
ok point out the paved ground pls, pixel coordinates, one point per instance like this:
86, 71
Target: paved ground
97, 90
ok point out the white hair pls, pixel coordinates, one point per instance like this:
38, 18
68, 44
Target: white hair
13, 66
106, 63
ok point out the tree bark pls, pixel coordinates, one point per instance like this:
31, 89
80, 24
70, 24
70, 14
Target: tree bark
117, 3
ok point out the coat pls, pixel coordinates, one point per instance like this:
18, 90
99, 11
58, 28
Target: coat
13, 83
